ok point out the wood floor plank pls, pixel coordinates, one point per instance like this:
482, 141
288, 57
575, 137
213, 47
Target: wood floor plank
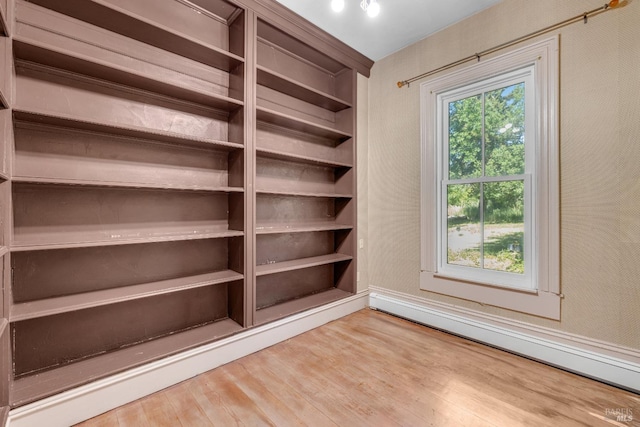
400, 382
373, 369
367, 387
245, 410
159, 411
420, 388
187, 408
132, 415
268, 402
483, 383
295, 401
212, 403
108, 419
337, 402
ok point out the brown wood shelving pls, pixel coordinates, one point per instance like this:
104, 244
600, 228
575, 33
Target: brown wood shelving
302, 227
33, 387
75, 240
137, 132
123, 184
4, 415
291, 87
64, 304
5, 63
137, 27
27, 51
313, 160
161, 187
278, 311
304, 194
298, 264
4, 24
290, 122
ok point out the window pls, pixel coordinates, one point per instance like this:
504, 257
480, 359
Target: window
490, 182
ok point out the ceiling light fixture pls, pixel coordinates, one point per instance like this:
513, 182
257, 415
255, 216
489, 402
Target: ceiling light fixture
372, 7
337, 5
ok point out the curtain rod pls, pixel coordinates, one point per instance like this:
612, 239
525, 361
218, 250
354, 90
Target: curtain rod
582, 17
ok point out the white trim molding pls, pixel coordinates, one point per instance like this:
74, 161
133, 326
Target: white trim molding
87, 401
616, 365
537, 63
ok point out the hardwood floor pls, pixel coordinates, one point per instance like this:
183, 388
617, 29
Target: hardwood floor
372, 369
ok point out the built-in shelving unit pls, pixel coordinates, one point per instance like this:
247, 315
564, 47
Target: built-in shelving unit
171, 173
305, 176
127, 186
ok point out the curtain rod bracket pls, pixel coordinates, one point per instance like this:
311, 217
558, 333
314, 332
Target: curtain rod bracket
478, 56
585, 17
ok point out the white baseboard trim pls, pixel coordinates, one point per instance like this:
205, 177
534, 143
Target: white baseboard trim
616, 365
87, 401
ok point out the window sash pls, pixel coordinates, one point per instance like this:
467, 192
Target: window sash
526, 281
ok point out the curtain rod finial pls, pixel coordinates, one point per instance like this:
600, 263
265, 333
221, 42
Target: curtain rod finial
617, 3
400, 84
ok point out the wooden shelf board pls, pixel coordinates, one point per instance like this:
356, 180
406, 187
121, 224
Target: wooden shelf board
4, 176
116, 19
290, 122
4, 415
280, 155
284, 84
4, 31
64, 304
38, 386
304, 194
3, 326
284, 309
120, 184
127, 131
34, 51
66, 240
3, 251
6, 69
301, 227
298, 264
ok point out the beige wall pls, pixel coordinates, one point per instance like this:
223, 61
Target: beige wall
600, 161
362, 135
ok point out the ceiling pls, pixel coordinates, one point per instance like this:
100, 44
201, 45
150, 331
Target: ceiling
399, 24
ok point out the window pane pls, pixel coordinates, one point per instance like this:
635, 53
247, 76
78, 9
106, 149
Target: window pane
463, 224
504, 226
465, 138
504, 131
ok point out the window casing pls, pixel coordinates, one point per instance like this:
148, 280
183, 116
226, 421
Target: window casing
529, 280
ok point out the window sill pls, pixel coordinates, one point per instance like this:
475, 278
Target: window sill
485, 284
535, 302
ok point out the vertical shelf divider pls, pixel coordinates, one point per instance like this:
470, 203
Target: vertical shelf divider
250, 165
6, 66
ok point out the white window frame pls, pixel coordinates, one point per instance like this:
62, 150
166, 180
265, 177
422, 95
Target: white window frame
539, 293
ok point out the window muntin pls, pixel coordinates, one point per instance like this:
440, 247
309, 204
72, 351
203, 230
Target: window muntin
485, 190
